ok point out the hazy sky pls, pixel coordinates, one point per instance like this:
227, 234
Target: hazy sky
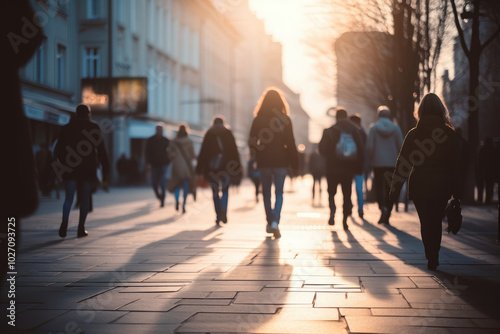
285, 20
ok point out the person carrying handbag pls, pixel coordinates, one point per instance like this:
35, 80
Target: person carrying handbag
181, 154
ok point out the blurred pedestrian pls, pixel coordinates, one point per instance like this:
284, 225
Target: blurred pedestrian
254, 175
122, 167
359, 177
181, 155
20, 190
79, 150
465, 157
219, 164
430, 153
383, 145
485, 171
272, 144
343, 149
157, 160
317, 168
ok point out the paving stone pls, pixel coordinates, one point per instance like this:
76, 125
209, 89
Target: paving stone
274, 296
355, 311
372, 324
359, 300
431, 296
252, 323
428, 313
426, 282
150, 289
222, 294
170, 317
388, 284
227, 286
232, 308
165, 277
308, 313
150, 305
29, 319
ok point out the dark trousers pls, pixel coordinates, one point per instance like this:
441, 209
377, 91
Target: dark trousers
482, 184
431, 212
382, 185
345, 182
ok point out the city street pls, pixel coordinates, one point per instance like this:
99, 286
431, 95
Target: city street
146, 269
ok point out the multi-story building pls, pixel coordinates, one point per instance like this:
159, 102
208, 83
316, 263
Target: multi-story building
197, 61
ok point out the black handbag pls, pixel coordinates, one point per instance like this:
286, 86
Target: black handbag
453, 213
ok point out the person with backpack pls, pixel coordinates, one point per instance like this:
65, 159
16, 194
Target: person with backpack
272, 143
219, 164
342, 147
383, 145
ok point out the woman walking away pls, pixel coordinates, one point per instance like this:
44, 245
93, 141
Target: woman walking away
219, 163
430, 153
271, 141
181, 154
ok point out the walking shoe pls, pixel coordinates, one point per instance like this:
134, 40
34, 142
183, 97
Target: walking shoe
360, 214
183, 209
432, 264
331, 221
275, 230
224, 217
82, 232
176, 205
63, 228
383, 215
268, 228
344, 222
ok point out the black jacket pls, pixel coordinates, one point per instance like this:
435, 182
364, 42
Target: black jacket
327, 147
80, 150
157, 151
430, 158
272, 142
210, 148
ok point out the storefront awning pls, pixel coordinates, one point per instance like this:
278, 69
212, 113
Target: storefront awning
45, 113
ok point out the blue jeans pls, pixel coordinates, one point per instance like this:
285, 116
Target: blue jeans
185, 190
159, 179
358, 180
84, 188
267, 177
220, 200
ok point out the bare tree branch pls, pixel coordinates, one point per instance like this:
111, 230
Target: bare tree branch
460, 30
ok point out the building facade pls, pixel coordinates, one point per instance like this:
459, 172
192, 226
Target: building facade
197, 59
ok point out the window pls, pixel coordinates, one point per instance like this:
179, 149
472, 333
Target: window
133, 16
91, 63
120, 15
92, 9
151, 22
38, 63
60, 66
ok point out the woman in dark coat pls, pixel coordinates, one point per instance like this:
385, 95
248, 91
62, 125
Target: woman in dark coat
219, 163
80, 150
272, 142
430, 157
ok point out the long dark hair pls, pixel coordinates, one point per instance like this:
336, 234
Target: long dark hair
272, 100
431, 104
183, 131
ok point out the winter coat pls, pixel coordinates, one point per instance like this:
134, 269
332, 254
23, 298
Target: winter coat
430, 158
272, 142
19, 173
156, 151
80, 150
327, 148
230, 165
383, 143
181, 156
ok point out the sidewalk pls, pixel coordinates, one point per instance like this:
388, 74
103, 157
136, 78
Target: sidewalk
146, 269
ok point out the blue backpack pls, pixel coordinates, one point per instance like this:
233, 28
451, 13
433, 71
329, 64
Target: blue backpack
346, 148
